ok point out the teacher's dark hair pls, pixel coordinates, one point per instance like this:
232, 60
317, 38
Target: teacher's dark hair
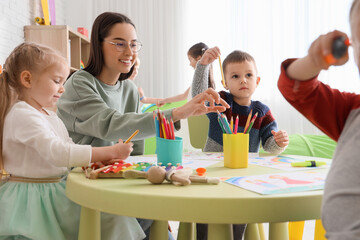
100, 30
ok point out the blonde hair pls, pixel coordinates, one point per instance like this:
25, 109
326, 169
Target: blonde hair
27, 56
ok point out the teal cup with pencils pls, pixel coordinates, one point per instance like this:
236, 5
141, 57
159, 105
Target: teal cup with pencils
169, 151
236, 150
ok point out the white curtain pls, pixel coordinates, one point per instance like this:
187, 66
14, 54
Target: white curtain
270, 30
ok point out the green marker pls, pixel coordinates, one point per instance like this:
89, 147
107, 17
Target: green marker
312, 163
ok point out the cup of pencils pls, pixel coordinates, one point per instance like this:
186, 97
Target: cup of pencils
169, 148
236, 150
235, 144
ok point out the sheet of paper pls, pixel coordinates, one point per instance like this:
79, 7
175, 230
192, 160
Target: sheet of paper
280, 182
283, 162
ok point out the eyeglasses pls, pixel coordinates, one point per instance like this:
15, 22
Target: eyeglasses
121, 45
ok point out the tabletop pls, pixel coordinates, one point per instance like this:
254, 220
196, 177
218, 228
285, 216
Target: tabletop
213, 204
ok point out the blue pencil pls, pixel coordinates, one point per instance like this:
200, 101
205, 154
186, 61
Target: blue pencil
222, 128
223, 123
227, 126
156, 124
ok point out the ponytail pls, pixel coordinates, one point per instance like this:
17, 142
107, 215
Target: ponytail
5, 104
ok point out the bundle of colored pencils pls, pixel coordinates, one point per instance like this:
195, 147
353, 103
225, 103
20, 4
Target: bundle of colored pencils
233, 128
164, 128
249, 123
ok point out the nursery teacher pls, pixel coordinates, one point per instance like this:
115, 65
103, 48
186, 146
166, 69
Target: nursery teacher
100, 105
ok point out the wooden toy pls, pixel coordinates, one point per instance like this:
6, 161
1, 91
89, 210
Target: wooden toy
178, 177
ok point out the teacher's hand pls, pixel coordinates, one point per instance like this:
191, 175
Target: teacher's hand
197, 105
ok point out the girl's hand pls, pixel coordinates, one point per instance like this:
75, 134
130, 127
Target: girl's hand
322, 47
197, 105
210, 55
281, 138
121, 150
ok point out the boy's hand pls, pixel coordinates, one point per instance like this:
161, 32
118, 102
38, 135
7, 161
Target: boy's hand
210, 55
322, 47
281, 138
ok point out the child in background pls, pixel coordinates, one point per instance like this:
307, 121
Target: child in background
195, 53
37, 153
337, 115
158, 101
241, 80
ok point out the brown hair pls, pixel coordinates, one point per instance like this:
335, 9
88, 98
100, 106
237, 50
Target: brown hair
100, 30
197, 50
27, 56
238, 56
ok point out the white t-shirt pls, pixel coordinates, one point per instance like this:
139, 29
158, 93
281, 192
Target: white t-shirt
36, 145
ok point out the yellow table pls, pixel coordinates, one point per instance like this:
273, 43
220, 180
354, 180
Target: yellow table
219, 205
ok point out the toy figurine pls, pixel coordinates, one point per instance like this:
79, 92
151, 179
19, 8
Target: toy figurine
178, 177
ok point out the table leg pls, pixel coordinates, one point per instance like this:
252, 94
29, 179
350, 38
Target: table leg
89, 224
278, 231
252, 232
186, 231
159, 230
220, 231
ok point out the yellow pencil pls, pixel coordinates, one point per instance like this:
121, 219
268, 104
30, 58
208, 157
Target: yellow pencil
222, 73
248, 121
232, 124
132, 135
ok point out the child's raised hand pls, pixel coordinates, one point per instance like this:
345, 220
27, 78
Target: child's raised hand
281, 138
321, 48
210, 55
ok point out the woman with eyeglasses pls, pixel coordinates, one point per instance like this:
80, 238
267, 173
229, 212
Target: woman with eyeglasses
100, 105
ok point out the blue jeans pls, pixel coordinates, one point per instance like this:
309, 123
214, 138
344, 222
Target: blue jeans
146, 224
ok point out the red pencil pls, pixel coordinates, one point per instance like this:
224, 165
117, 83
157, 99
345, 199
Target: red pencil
236, 124
172, 128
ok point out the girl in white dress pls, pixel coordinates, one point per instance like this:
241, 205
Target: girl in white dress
37, 153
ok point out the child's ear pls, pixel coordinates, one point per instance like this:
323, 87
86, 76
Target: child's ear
26, 79
257, 81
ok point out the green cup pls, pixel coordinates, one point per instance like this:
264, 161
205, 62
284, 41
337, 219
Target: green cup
169, 151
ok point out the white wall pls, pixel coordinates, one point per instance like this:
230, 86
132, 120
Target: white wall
14, 15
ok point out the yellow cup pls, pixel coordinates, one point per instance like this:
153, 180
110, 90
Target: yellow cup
236, 150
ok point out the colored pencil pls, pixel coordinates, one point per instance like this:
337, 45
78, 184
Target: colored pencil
248, 121
227, 127
163, 126
222, 122
156, 124
172, 128
222, 73
160, 124
232, 124
221, 125
252, 123
132, 135
236, 124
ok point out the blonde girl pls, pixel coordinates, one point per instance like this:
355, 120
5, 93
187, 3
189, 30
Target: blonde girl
37, 153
